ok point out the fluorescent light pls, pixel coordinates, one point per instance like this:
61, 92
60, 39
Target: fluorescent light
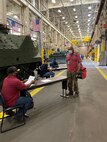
74, 9
76, 16
15, 16
89, 15
53, 1
59, 10
88, 20
71, 31
63, 17
89, 7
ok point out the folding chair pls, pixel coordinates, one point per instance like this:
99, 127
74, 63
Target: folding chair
6, 110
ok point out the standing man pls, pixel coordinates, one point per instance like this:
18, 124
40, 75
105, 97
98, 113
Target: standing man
11, 89
73, 66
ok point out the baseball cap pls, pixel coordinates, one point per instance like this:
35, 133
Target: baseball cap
11, 69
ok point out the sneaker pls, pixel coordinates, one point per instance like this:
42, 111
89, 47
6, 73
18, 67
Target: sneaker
26, 115
67, 96
64, 96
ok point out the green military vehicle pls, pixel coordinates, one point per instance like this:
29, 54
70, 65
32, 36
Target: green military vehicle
19, 51
59, 56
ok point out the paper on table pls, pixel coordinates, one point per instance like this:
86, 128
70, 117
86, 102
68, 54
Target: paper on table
30, 79
46, 80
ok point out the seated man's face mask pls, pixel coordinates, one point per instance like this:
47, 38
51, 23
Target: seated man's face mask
70, 51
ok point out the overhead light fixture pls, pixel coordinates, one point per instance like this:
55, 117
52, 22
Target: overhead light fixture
71, 0
59, 10
71, 31
68, 26
63, 17
66, 22
77, 21
53, 1
89, 7
76, 16
89, 15
15, 16
74, 9
88, 20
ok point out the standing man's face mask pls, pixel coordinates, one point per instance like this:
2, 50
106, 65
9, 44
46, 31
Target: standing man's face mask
70, 51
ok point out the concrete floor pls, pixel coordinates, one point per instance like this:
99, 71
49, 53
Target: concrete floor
55, 119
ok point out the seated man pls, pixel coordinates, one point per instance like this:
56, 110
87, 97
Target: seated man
11, 89
54, 64
45, 71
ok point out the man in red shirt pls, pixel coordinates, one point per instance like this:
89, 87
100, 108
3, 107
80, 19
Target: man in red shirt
73, 66
11, 90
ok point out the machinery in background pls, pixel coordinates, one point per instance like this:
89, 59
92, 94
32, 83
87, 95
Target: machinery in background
19, 51
59, 56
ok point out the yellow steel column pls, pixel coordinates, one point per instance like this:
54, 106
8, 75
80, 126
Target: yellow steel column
43, 54
103, 45
98, 53
95, 54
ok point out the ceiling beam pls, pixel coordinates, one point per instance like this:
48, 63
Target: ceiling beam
68, 4
41, 16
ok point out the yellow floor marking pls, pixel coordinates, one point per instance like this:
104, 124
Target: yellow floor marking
1, 113
100, 71
34, 92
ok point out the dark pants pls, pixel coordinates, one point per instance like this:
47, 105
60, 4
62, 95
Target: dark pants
27, 101
49, 74
72, 82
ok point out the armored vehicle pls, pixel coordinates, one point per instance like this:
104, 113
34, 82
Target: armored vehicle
59, 56
19, 51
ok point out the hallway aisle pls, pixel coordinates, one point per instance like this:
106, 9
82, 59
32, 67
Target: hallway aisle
55, 119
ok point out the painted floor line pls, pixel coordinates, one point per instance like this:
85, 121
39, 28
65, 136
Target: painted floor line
35, 91
100, 71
